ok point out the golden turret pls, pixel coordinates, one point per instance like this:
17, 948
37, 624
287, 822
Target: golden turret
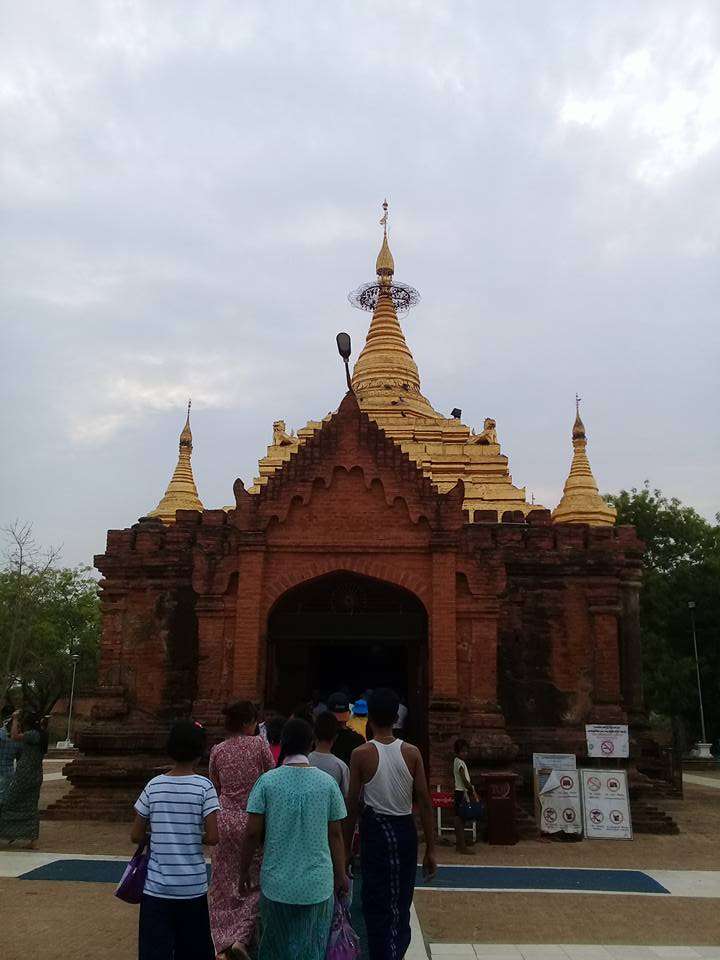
181, 493
581, 501
386, 376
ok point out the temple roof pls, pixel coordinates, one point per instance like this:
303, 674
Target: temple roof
581, 501
386, 383
181, 493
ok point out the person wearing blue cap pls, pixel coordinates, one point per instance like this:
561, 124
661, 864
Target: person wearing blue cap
359, 719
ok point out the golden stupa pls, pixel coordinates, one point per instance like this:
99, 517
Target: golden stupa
386, 383
181, 493
581, 501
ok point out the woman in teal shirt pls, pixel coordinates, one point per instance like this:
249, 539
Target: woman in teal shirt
299, 810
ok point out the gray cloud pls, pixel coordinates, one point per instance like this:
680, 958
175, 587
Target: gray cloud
190, 190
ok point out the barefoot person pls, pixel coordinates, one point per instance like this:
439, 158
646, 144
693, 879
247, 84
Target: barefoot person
298, 809
235, 765
464, 791
19, 817
177, 808
389, 772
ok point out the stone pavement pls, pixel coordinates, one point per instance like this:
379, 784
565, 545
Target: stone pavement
568, 951
713, 782
29, 865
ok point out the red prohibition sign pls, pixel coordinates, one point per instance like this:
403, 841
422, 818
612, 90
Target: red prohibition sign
607, 747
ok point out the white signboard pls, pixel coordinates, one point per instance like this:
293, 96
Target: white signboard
608, 740
554, 761
558, 797
606, 810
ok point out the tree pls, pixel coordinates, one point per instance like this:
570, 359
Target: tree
47, 613
682, 563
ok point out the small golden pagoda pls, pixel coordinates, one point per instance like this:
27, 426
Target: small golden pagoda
581, 501
386, 383
181, 493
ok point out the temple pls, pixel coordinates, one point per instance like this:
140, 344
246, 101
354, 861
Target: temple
384, 544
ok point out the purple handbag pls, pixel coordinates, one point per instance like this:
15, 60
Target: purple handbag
131, 886
343, 943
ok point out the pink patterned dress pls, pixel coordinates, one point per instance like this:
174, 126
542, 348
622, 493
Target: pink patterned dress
235, 765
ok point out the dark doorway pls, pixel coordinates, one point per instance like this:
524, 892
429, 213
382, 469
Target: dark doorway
345, 630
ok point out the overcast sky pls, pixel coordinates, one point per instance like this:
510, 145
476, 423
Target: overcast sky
190, 190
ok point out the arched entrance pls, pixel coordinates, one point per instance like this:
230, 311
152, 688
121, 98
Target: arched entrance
345, 630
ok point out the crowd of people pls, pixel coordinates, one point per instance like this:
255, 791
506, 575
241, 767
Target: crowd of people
23, 745
286, 805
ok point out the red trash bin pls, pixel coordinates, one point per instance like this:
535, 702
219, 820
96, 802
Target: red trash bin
499, 788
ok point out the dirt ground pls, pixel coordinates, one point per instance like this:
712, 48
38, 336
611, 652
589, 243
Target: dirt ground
74, 920
558, 918
71, 921
696, 848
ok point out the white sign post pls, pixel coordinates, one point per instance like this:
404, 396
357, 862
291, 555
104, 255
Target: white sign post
606, 809
607, 740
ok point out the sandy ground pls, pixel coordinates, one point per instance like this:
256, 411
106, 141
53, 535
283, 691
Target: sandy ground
65, 920
576, 918
696, 848
74, 920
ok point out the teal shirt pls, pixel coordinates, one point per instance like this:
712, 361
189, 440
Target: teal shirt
298, 803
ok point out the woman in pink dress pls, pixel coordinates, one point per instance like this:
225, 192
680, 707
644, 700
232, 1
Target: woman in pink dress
235, 765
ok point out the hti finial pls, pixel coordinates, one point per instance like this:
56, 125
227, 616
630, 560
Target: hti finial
578, 427
189, 405
384, 218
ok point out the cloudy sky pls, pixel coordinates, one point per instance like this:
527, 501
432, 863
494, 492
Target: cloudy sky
190, 189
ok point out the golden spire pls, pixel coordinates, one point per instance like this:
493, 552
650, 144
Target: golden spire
385, 265
385, 373
181, 493
581, 501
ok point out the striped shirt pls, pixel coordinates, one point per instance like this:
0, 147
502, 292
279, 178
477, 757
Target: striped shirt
176, 808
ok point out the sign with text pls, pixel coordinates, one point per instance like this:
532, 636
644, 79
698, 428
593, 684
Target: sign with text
608, 740
554, 761
558, 801
606, 809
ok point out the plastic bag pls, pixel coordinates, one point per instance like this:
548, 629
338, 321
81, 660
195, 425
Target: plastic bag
132, 883
343, 943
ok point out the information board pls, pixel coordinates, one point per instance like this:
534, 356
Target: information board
607, 740
557, 794
554, 761
606, 810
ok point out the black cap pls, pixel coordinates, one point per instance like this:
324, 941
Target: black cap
338, 703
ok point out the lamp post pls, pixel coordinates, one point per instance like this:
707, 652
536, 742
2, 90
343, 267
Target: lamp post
703, 747
344, 346
67, 744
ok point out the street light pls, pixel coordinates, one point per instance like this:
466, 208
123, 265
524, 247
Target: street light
67, 744
703, 748
345, 349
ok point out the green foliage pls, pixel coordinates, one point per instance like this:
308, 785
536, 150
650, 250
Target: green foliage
47, 613
682, 564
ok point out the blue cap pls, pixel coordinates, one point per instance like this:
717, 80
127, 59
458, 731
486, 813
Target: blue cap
360, 708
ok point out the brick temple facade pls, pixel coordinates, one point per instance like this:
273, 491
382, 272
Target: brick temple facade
385, 544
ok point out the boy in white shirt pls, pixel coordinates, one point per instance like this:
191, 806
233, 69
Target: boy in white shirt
464, 790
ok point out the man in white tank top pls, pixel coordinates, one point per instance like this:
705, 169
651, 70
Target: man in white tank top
390, 774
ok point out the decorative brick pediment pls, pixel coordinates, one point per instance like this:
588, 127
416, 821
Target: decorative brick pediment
351, 453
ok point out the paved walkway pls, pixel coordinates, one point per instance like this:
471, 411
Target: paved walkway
567, 951
29, 865
702, 781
